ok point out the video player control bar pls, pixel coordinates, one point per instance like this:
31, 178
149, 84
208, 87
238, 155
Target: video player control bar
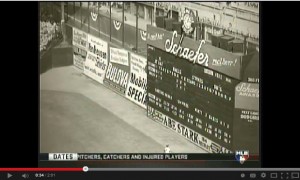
201, 173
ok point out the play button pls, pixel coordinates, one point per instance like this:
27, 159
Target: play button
8, 175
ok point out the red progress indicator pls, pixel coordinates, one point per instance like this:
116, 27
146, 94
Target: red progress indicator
41, 169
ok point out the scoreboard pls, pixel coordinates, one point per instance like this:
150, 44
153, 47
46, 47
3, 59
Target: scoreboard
197, 97
193, 99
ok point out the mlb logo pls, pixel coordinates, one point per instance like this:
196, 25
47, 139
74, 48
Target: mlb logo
241, 156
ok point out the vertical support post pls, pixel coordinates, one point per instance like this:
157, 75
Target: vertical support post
151, 16
154, 14
137, 25
110, 21
171, 10
63, 27
98, 19
88, 16
123, 19
74, 8
80, 14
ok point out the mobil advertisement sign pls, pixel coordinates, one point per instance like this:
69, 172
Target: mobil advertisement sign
137, 86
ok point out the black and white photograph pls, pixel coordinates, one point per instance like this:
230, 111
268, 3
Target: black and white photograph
149, 77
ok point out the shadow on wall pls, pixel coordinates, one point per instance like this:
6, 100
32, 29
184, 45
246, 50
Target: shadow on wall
57, 56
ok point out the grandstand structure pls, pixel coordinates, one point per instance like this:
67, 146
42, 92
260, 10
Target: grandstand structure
125, 24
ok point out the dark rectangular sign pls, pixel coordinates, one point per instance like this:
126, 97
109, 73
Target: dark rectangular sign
195, 52
196, 97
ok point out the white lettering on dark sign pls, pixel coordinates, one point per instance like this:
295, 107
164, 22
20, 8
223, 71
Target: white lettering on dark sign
154, 37
188, 133
253, 80
116, 75
223, 62
194, 57
249, 115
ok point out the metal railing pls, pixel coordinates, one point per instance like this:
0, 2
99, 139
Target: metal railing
106, 21
103, 23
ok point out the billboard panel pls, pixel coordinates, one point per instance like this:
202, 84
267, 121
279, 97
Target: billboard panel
96, 61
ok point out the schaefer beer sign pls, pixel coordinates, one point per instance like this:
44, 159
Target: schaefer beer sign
196, 52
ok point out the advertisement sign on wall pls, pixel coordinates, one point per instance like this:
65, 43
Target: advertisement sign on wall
96, 61
119, 56
137, 86
246, 130
196, 52
186, 132
246, 118
247, 96
79, 48
79, 56
117, 72
79, 38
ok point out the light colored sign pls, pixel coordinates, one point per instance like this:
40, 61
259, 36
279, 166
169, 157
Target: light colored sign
188, 19
119, 56
79, 38
79, 48
247, 96
79, 56
96, 61
137, 86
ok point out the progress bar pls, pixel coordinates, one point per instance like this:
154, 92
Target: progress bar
193, 169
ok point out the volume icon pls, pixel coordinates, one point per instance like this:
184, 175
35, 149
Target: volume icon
25, 176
